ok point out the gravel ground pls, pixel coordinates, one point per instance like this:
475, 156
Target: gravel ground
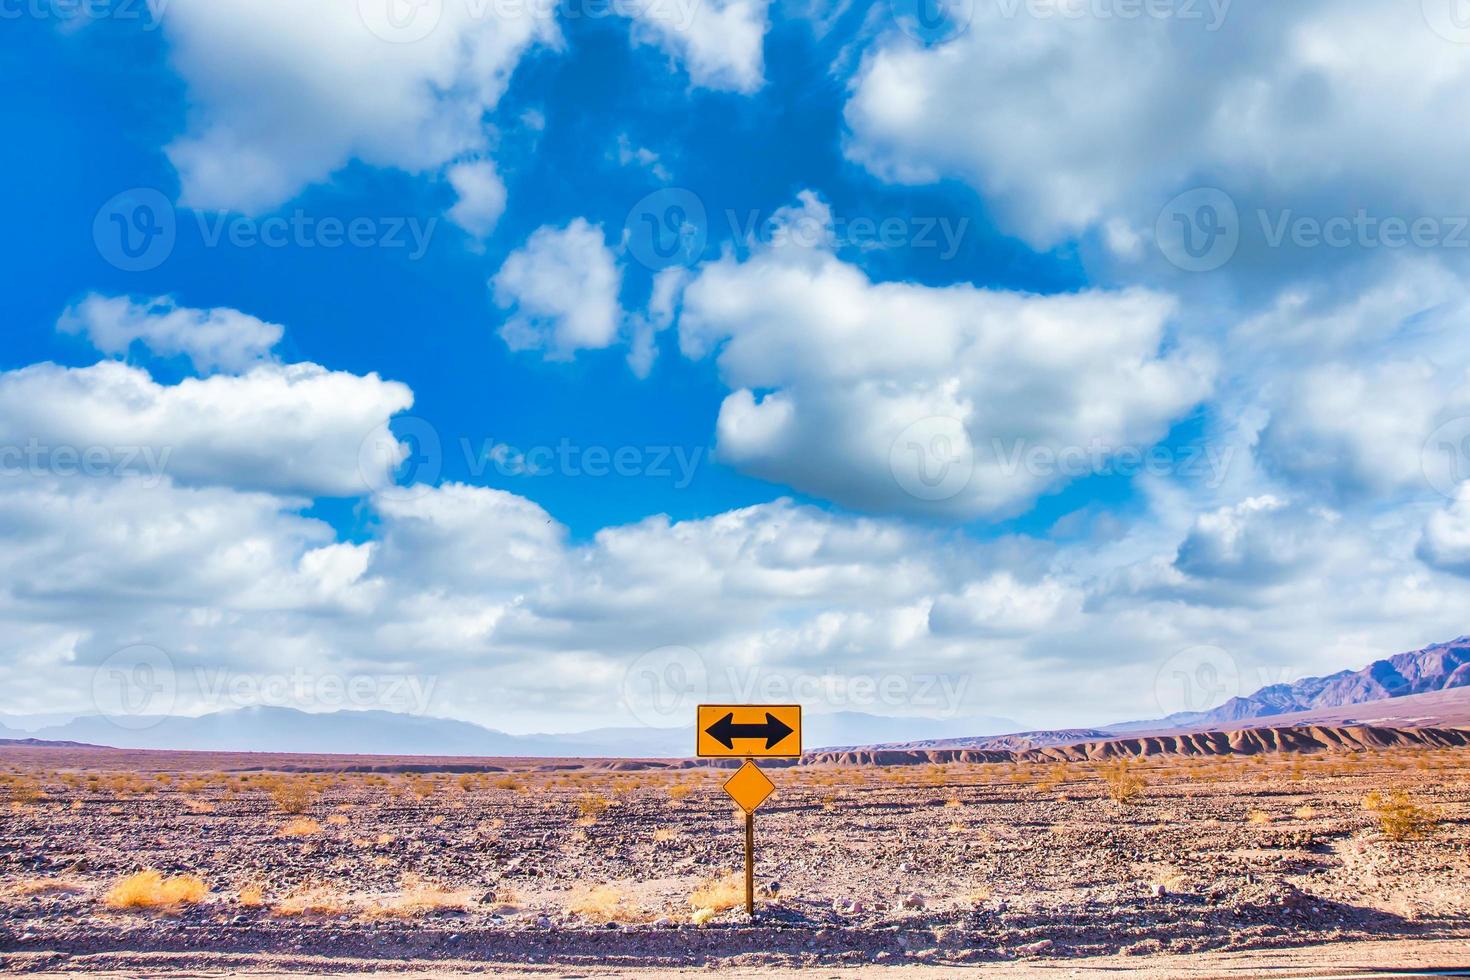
915, 865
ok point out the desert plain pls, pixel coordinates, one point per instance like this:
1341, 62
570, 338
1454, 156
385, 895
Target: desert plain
121, 861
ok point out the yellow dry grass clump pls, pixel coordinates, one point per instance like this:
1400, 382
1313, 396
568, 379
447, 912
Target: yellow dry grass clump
1124, 783
44, 886
1399, 817
603, 903
300, 827
715, 896
417, 898
149, 889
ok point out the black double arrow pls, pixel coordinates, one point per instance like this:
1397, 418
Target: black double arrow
726, 731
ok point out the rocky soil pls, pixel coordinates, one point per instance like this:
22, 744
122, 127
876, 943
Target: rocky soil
942, 864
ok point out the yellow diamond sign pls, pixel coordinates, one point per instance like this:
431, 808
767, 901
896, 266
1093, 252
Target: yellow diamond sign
749, 787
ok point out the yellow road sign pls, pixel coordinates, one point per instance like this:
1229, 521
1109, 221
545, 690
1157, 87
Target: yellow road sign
749, 787
765, 731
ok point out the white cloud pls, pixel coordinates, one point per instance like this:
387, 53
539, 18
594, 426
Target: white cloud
561, 289
481, 197
217, 339
1066, 123
719, 42
1445, 543
1355, 377
896, 396
295, 428
283, 94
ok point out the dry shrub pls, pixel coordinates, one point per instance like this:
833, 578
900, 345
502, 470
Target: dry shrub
23, 790
1123, 781
718, 894
44, 886
602, 903
1258, 818
592, 806
300, 827
337, 820
1399, 817
680, 790
150, 890
312, 900
252, 896
419, 897
198, 806
1305, 812
663, 834
291, 795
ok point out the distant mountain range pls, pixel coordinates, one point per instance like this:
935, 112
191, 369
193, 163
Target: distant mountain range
1438, 667
276, 729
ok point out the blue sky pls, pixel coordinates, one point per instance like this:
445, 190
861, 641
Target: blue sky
1033, 296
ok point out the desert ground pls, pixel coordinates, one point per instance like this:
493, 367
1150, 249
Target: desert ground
1177, 866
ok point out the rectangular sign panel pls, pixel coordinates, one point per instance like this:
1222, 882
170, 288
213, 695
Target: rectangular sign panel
748, 731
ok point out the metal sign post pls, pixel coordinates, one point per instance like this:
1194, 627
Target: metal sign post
775, 731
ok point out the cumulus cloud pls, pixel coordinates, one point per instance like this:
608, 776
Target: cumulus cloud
481, 196
561, 289
954, 400
283, 94
1356, 378
1445, 543
217, 339
296, 428
1069, 123
719, 42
